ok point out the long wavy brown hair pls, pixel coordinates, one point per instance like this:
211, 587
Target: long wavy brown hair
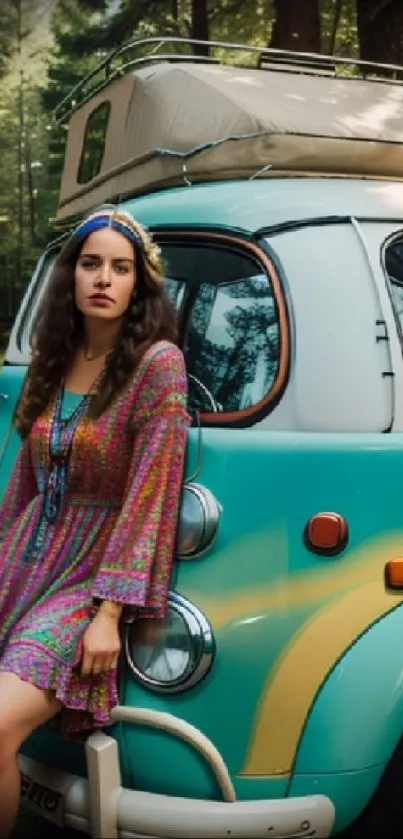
59, 332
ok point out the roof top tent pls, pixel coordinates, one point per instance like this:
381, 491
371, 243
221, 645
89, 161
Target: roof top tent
146, 120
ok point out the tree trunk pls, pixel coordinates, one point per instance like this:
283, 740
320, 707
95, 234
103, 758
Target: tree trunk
336, 21
30, 190
20, 158
296, 26
200, 27
380, 30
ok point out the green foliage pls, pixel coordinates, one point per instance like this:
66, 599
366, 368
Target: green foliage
8, 30
140, 17
23, 194
339, 27
238, 22
74, 54
47, 46
229, 20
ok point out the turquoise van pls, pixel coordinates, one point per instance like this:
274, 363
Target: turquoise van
272, 704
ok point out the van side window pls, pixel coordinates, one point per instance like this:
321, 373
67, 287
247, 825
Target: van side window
393, 256
231, 331
233, 342
94, 143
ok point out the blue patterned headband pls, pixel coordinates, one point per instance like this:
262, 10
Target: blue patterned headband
122, 222
116, 221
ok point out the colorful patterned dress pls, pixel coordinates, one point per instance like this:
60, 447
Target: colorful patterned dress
112, 539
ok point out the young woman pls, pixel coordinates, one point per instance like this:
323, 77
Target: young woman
88, 521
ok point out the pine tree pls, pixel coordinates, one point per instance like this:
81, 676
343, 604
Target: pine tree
74, 54
21, 142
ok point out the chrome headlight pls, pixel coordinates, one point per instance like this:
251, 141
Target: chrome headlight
183, 654
199, 518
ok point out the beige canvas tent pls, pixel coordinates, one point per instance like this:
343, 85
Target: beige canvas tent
167, 123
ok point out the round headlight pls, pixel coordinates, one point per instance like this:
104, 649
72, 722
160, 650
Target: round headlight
199, 518
183, 654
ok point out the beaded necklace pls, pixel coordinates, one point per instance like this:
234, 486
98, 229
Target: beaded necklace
60, 445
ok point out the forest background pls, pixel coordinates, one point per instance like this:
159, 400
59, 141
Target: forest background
46, 46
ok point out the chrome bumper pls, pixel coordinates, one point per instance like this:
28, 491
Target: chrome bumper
99, 806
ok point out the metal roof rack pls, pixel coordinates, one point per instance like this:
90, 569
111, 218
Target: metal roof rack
140, 52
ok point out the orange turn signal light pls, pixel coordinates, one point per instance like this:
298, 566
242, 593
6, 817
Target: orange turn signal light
394, 573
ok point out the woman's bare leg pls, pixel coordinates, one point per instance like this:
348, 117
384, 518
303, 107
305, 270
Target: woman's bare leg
23, 707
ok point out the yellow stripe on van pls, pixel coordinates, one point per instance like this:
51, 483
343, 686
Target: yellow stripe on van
301, 670
347, 595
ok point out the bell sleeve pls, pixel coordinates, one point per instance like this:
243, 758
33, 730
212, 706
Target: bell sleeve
136, 566
20, 490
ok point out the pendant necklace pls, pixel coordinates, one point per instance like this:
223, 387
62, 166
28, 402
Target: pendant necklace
60, 446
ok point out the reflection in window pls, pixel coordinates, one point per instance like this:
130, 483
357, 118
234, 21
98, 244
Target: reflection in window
233, 344
175, 290
94, 143
394, 269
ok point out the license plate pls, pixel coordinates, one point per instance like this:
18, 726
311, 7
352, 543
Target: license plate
48, 802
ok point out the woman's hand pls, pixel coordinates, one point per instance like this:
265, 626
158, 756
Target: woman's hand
101, 644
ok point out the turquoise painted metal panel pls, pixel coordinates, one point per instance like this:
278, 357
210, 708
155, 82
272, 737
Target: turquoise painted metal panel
248, 205
47, 746
357, 718
349, 791
11, 379
282, 616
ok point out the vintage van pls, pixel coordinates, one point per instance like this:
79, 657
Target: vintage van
272, 706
